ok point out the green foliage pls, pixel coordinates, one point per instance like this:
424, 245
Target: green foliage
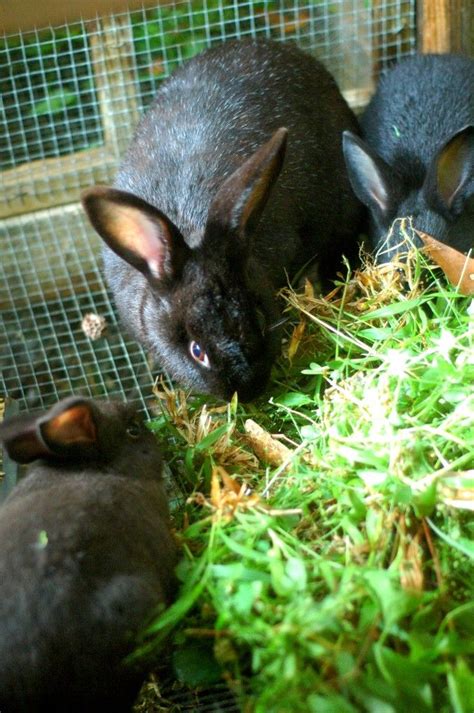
48, 94
165, 36
349, 585
48, 80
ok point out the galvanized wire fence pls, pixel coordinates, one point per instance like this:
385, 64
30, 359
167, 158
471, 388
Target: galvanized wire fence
70, 98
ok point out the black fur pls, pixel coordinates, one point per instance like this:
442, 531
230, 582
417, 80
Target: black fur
86, 556
417, 156
228, 254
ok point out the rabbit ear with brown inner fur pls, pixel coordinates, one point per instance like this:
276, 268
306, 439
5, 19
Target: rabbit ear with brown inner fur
136, 232
66, 429
449, 178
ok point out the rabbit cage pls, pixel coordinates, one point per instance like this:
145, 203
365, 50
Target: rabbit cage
71, 95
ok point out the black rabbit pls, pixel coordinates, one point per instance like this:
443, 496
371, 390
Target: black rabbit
417, 156
202, 234
86, 556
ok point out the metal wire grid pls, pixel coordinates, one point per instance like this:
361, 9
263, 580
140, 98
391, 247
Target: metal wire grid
179, 699
66, 94
70, 98
45, 353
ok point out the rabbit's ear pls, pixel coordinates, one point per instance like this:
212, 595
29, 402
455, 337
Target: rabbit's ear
71, 427
22, 440
450, 178
372, 180
136, 231
68, 428
239, 203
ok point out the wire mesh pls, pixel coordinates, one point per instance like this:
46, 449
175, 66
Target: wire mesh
70, 97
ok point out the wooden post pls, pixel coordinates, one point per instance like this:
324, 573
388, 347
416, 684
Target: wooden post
445, 26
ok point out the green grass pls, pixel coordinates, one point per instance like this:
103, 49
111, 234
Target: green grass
344, 581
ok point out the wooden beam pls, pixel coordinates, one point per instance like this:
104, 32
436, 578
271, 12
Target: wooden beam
24, 15
445, 26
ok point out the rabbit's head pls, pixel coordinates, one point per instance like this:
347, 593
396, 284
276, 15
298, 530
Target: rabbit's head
210, 309
441, 203
108, 436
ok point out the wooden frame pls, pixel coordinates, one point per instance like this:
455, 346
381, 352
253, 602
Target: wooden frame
24, 15
444, 25
46, 183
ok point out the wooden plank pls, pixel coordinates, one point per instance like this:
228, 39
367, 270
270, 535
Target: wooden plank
358, 98
116, 83
23, 15
445, 26
53, 181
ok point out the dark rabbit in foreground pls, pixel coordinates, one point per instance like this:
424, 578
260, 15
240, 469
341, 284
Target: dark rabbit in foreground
417, 156
202, 234
86, 556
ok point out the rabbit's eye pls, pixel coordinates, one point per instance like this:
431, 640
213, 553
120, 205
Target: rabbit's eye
199, 354
134, 431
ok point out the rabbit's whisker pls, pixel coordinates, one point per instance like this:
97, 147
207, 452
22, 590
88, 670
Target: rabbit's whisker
277, 324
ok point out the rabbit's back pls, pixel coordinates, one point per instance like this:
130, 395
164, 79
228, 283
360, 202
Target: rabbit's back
418, 105
83, 563
216, 110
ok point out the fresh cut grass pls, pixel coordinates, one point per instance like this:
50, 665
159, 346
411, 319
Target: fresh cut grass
328, 559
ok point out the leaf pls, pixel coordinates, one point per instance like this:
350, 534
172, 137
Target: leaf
331, 703
293, 399
461, 544
393, 601
407, 678
195, 664
296, 572
461, 688
395, 308
212, 437
54, 102
458, 268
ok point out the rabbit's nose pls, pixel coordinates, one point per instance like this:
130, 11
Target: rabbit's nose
252, 386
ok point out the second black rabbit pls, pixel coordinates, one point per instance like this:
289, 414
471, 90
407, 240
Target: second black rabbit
417, 156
